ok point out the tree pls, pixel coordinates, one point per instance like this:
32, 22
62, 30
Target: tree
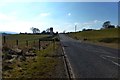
84, 29
43, 32
35, 30
106, 24
111, 26
87, 29
118, 26
32, 29
48, 30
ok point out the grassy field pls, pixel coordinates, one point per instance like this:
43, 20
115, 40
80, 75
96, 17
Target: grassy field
48, 62
106, 37
11, 39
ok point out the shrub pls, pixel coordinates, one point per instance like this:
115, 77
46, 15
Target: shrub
110, 40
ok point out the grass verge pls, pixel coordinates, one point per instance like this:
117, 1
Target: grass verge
106, 37
47, 64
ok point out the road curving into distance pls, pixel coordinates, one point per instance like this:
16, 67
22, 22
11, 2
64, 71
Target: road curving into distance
90, 61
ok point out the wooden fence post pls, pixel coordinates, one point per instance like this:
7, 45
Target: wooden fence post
34, 43
53, 44
4, 39
39, 44
26, 42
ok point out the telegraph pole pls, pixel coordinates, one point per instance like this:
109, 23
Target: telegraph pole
75, 27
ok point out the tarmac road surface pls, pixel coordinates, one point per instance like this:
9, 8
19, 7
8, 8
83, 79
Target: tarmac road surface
90, 61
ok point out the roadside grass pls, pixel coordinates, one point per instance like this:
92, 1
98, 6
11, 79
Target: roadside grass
109, 37
43, 65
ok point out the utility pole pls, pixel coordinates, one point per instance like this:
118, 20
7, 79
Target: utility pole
75, 27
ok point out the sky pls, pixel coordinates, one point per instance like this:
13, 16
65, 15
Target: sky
62, 16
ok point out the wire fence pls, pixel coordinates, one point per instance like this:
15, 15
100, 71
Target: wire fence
39, 43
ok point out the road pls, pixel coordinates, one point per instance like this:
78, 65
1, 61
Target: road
90, 61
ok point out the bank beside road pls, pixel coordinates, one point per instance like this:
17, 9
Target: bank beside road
106, 37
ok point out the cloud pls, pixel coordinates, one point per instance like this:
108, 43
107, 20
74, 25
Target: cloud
14, 13
3, 16
12, 22
95, 24
44, 14
69, 14
76, 23
21, 26
97, 21
90, 23
6, 17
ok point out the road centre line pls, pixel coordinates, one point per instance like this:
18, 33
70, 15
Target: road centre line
110, 61
112, 57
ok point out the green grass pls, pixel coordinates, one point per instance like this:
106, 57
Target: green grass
11, 39
107, 36
41, 66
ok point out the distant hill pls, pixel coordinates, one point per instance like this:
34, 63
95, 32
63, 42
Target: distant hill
8, 32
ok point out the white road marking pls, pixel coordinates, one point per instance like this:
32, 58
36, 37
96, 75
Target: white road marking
73, 76
115, 63
103, 57
102, 52
112, 57
110, 60
64, 60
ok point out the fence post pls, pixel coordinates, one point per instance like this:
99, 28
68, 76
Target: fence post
4, 39
53, 44
39, 44
34, 43
26, 42
17, 42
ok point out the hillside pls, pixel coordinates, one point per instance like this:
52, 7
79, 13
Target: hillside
107, 37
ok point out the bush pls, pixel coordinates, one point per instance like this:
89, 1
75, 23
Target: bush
111, 26
110, 40
85, 39
57, 39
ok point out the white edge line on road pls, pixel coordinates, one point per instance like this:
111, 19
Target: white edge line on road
64, 62
111, 61
71, 71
